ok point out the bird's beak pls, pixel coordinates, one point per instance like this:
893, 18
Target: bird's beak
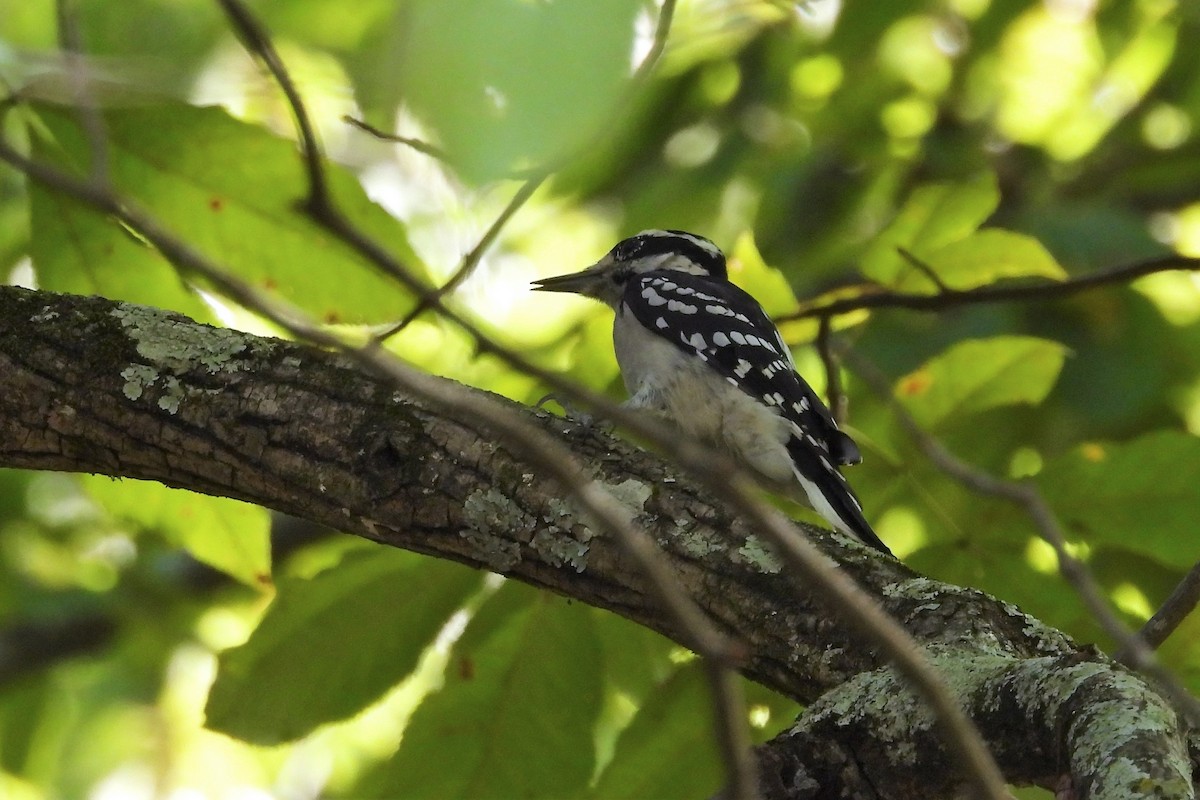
586, 283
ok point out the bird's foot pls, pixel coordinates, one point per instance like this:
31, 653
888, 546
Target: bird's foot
575, 414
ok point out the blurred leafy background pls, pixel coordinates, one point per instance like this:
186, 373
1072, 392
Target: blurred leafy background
994, 139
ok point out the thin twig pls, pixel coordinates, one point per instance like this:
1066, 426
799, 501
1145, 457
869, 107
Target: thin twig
731, 722
78, 79
1047, 290
839, 593
1027, 496
470, 260
258, 43
1174, 611
925, 270
421, 146
836, 398
533, 178
424, 147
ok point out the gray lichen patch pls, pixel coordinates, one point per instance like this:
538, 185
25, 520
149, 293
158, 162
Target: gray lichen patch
878, 701
632, 494
754, 553
491, 510
560, 513
1129, 755
699, 543
559, 549
138, 378
172, 346
175, 345
493, 521
497, 554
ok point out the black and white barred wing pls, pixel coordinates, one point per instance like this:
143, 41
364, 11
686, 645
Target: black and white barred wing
728, 329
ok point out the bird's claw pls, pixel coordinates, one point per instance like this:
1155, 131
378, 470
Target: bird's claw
575, 414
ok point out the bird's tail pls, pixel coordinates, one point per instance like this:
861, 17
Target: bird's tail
830, 494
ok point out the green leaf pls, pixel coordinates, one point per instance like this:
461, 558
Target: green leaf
767, 284
232, 191
935, 215
988, 255
1141, 496
332, 644
229, 535
508, 83
515, 717
669, 749
77, 251
979, 374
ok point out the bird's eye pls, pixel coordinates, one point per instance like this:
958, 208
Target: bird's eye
619, 276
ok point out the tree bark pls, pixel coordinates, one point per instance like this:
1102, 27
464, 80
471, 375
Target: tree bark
91, 385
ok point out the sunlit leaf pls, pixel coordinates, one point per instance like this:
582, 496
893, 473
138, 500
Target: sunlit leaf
988, 255
767, 284
508, 83
330, 645
1141, 496
232, 191
516, 715
668, 750
78, 251
227, 534
981, 374
934, 216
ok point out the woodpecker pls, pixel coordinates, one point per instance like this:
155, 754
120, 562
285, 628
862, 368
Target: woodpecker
703, 354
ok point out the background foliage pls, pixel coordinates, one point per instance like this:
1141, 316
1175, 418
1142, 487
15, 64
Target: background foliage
993, 139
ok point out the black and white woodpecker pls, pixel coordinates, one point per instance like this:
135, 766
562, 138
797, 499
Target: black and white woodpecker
702, 353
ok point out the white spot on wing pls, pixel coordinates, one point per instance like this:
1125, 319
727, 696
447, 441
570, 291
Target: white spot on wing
652, 297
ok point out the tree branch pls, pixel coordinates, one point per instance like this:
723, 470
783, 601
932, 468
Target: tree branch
87, 384
1175, 610
1040, 291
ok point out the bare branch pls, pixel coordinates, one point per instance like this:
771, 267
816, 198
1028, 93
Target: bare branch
78, 79
64, 405
431, 150
258, 42
1040, 291
470, 260
925, 270
1174, 611
838, 402
533, 180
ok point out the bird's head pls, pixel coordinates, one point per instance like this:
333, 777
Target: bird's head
648, 251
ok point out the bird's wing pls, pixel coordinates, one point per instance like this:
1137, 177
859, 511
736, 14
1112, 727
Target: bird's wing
727, 328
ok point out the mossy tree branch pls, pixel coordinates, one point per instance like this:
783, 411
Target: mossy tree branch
89, 385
